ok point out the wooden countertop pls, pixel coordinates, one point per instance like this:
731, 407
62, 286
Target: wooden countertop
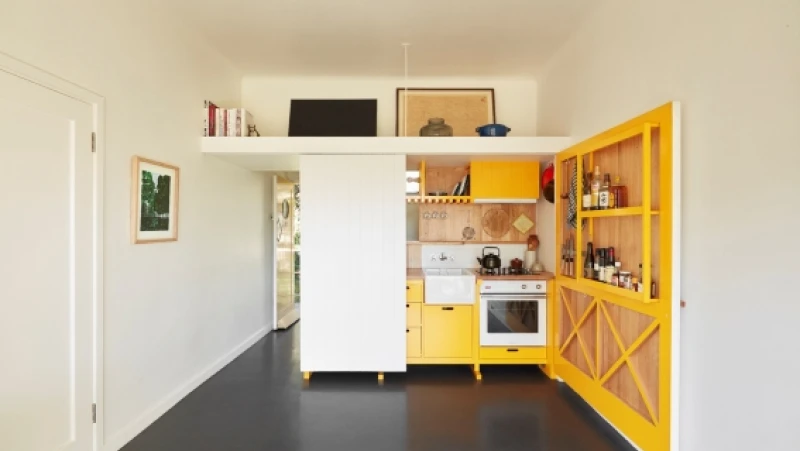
416, 273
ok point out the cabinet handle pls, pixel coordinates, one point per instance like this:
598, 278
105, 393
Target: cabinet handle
408, 330
447, 308
408, 287
407, 305
512, 350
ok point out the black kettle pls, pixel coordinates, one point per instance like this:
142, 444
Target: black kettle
491, 261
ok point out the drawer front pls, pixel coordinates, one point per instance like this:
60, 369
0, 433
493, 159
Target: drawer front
513, 352
414, 342
413, 314
414, 291
448, 331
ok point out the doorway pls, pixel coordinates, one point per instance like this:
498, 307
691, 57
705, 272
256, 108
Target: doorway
287, 249
50, 340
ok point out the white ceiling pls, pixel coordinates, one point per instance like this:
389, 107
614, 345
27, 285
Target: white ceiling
498, 38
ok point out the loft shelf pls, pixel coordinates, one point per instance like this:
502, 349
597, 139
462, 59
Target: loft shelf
282, 153
614, 212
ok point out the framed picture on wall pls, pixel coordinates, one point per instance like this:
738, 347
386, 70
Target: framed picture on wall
154, 201
464, 109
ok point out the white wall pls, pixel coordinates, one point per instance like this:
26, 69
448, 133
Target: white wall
269, 98
735, 66
171, 310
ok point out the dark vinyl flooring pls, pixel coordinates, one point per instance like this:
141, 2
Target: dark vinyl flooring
259, 402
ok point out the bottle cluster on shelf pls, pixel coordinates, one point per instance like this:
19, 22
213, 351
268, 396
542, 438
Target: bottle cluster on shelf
603, 265
227, 121
600, 194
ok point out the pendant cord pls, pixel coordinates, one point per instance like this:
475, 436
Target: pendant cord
405, 96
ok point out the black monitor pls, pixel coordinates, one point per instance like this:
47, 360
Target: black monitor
333, 117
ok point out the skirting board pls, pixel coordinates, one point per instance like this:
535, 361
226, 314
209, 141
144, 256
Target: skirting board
129, 432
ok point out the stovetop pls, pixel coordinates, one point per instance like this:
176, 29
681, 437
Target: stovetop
506, 271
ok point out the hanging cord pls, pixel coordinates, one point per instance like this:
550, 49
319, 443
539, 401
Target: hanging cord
405, 96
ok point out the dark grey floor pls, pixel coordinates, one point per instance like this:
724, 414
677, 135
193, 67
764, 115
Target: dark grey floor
258, 402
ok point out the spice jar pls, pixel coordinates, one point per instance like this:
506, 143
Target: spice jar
625, 279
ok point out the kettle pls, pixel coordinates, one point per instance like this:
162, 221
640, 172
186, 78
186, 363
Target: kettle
490, 261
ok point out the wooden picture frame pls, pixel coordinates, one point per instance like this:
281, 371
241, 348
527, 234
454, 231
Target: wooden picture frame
154, 201
464, 109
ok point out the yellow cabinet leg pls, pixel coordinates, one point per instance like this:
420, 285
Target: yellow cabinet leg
476, 370
380, 378
307, 376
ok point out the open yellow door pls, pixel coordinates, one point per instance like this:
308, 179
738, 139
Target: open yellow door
615, 346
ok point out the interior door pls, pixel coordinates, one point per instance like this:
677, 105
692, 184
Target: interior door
615, 346
354, 263
46, 246
286, 311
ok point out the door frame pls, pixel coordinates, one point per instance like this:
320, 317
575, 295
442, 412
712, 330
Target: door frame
62, 86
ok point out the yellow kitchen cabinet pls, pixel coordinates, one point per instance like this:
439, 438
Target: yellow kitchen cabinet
413, 314
504, 180
513, 354
414, 291
448, 331
413, 342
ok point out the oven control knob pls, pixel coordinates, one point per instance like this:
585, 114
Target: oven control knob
538, 286
524, 287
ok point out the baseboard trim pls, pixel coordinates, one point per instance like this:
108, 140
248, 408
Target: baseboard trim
612, 433
134, 428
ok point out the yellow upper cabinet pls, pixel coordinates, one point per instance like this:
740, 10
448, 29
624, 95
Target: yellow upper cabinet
493, 181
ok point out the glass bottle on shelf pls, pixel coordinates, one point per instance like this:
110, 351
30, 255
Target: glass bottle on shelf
603, 198
596, 188
587, 192
609, 266
588, 262
620, 193
600, 266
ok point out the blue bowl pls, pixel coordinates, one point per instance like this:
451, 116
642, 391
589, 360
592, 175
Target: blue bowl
493, 130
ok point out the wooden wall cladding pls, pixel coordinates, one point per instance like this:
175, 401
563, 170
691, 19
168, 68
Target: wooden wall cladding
618, 348
488, 222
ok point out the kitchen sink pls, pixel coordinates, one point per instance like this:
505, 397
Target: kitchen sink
449, 286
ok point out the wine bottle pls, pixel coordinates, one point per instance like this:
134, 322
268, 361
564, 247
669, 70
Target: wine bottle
588, 264
609, 265
595, 190
603, 196
587, 192
600, 265
620, 193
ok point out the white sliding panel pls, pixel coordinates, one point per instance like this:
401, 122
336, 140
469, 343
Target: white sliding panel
353, 263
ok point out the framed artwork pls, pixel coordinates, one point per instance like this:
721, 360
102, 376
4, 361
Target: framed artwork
464, 109
154, 202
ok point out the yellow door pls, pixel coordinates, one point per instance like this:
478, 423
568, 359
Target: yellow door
480, 180
413, 342
448, 331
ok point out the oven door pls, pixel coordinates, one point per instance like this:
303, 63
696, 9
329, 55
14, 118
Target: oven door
513, 320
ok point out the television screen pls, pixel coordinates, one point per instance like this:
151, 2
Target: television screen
334, 117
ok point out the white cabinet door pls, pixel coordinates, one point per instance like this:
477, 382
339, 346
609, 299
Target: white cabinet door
46, 261
353, 265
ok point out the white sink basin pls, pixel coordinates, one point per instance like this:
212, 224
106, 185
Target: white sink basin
449, 286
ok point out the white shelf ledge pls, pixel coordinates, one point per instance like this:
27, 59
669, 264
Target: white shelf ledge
282, 153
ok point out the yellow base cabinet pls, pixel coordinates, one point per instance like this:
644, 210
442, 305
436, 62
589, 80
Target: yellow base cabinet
414, 291
448, 331
512, 354
413, 342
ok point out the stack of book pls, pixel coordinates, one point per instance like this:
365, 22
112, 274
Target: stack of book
226, 121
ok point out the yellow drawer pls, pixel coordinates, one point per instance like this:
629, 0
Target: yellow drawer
513, 352
413, 314
414, 342
414, 291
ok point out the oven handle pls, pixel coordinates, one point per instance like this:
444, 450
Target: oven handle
513, 297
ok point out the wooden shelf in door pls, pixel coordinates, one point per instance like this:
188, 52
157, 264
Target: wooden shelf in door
614, 212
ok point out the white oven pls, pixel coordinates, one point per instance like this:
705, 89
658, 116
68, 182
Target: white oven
513, 313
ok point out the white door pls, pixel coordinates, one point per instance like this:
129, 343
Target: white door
46, 186
353, 264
